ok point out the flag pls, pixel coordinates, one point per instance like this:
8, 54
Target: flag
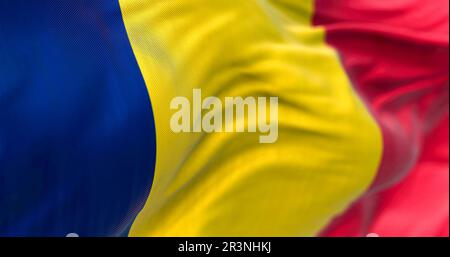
86, 144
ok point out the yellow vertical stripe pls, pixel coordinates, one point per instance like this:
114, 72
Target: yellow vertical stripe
228, 184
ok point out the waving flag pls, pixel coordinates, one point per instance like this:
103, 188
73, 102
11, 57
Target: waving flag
86, 145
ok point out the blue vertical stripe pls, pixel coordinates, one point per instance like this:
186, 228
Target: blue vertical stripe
77, 136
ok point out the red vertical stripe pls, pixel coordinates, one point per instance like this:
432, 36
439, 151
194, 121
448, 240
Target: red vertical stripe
396, 53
